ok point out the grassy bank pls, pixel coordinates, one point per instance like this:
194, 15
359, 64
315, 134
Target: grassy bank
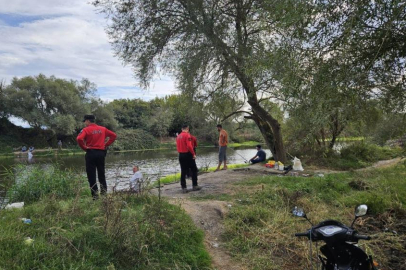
71, 231
173, 178
260, 227
355, 156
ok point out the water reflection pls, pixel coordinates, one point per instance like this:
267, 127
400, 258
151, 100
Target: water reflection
153, 164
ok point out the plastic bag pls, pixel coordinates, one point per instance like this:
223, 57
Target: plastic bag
15, 205
297, 165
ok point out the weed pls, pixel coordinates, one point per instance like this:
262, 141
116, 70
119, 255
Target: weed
71, 231
259, 228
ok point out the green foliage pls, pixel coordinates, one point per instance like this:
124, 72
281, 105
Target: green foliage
14, 137
128, 232
355, 155
56, 104
71, 231
131, 114
34, 182
220, 56
134, 139
362, 151
390, 126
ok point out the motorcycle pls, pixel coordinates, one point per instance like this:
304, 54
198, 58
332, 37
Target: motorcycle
340, 250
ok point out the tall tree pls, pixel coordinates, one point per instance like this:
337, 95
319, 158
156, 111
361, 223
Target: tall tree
206, 44
52, 103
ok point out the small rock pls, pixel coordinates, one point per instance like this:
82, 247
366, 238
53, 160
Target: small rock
215, 245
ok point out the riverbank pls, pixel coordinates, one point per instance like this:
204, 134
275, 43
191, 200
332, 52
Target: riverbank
245, 213
174, 178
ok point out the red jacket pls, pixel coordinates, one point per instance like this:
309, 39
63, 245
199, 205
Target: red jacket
94, 137
184, 143
194, 141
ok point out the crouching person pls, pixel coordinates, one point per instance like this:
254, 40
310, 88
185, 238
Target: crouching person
136, 180
260, 156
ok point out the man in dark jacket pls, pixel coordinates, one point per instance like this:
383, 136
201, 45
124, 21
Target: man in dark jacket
260, 156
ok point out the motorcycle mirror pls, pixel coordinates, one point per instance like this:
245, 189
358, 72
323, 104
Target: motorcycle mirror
296, 211
361, 210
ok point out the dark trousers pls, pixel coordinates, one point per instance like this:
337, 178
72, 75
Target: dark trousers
95, 160
187, 162
256, 161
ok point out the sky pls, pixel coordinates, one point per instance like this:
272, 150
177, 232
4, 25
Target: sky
66, 38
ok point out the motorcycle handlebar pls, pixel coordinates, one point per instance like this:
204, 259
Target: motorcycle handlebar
302, 234
362, 237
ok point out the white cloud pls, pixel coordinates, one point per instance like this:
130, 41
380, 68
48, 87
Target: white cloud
69, 42
47, 7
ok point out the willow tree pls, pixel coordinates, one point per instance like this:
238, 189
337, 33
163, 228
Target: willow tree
208, 45
371, 37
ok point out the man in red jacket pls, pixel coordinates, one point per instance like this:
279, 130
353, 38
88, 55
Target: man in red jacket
92, 140
187, 158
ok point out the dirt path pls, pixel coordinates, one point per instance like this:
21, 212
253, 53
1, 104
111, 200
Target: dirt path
208, 214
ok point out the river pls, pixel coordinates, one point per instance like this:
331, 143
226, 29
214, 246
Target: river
153, 164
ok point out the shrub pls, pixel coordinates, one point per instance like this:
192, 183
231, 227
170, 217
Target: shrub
134, 139
362, 151
34, 182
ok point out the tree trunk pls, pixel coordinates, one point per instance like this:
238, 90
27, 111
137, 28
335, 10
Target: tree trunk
336, 129
278, 147
266, 132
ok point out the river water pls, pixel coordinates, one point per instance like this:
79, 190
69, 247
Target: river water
153, 164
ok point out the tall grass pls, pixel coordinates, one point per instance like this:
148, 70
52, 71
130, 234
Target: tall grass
35, 181
354, 156
125, 232
71, 231
260, 227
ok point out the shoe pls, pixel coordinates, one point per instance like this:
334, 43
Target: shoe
196, 188
184, 190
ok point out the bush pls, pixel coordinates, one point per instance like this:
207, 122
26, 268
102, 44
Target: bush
362, 151
34, 182
134, 139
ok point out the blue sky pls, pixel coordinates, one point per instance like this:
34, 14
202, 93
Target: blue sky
66, 39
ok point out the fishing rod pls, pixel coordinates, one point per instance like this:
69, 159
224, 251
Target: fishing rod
245, 160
